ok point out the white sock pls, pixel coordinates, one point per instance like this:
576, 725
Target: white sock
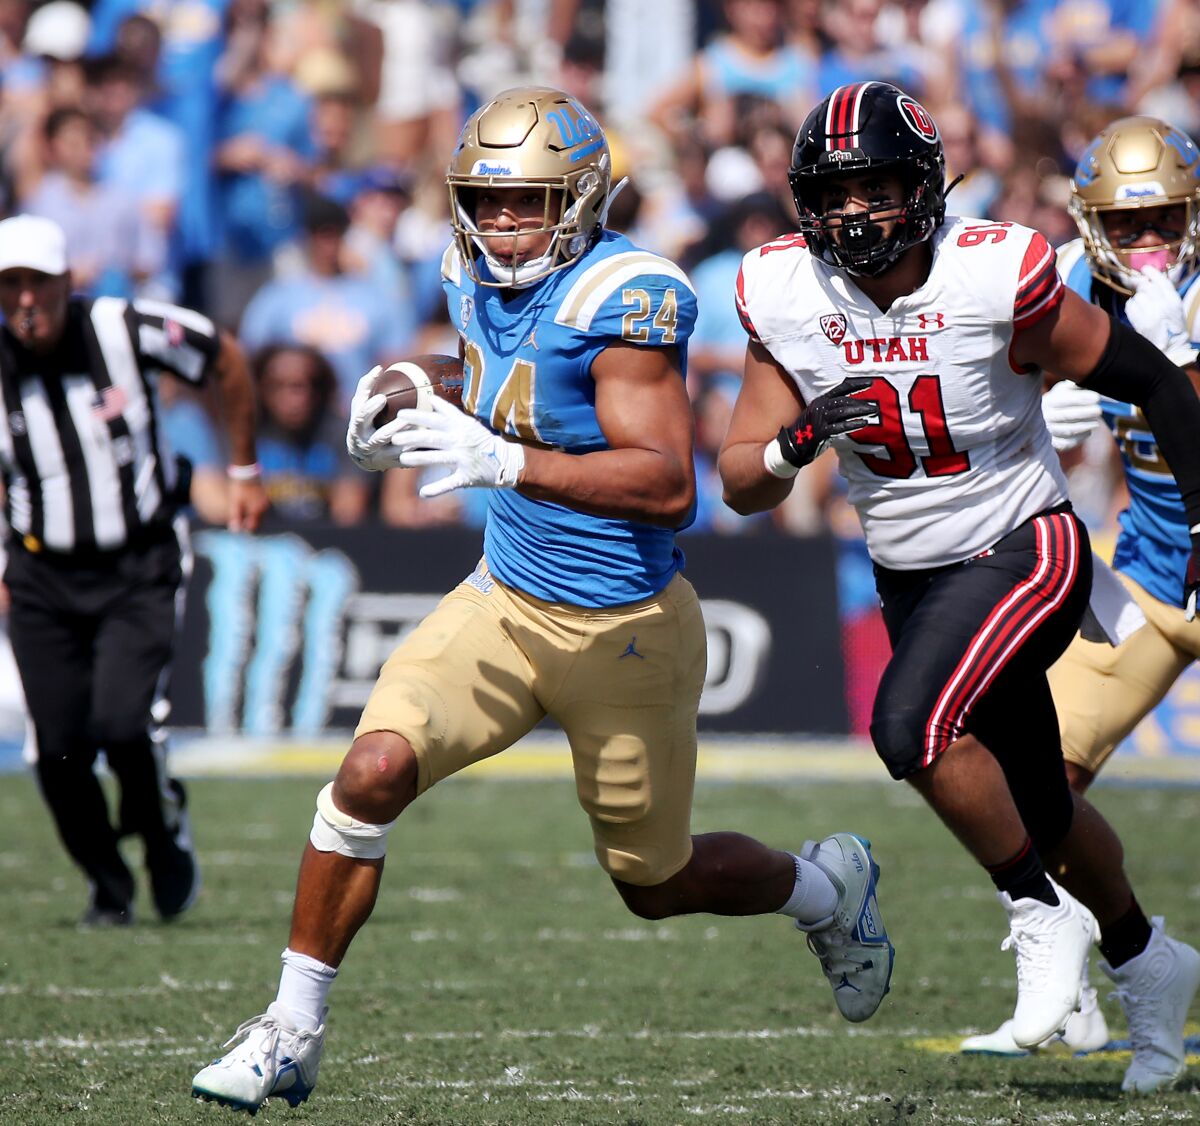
303, 986
814, 898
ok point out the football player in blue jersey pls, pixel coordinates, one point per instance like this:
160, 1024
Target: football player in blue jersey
576, 420
1136, 200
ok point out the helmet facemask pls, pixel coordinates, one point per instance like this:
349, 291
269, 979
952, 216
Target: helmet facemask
569, 204
1116, 263
534, 139
1136, 165
857, 243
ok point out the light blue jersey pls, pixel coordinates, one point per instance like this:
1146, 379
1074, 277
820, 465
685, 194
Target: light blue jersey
1153, 546
528, 375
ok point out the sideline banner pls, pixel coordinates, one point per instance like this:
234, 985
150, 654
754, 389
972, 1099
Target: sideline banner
285, 632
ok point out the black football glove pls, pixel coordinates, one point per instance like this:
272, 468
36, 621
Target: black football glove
1191, 582
835, 412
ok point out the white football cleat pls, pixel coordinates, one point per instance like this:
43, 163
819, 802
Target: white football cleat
1155, 990
1051, 945
852, 943
274, 1060
1086, 1031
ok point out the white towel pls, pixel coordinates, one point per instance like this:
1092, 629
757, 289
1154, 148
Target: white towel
1112, 615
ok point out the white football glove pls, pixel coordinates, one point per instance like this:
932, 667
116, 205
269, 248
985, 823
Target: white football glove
1156, 312
447, 436
370, 448
1071, 413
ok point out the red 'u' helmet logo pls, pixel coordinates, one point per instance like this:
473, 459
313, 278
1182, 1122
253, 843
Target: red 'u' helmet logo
917, 117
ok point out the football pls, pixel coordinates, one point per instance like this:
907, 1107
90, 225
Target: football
414, 382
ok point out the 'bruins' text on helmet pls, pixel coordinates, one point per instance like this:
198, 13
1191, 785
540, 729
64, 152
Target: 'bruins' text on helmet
539, 138
1138, 166
868, 127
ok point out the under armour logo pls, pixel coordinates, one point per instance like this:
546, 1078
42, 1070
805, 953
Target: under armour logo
531, 342
804, 433
631, 650
932, 320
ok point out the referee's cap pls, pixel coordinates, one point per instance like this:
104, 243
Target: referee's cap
33, 243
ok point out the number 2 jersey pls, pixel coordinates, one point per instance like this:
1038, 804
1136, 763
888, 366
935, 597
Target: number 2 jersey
527, 375
960, 456
1154, 546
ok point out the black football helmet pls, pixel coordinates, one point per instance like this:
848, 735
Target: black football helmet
868, 126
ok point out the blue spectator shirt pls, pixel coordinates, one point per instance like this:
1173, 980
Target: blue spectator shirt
834, 69
258, 214
145, 159
189, 432
298, 474
106, 233
1027, 41
346, 318
529, 361
715, 281
193, 34
785, 77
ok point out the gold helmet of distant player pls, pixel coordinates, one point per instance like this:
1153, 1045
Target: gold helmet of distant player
540, 138
1135, 164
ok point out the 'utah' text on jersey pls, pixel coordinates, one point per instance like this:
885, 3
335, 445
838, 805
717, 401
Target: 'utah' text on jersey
960, 455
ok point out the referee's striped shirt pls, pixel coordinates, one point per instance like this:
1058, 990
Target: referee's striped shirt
83, 463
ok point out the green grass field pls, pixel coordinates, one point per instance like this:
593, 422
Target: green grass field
501, 981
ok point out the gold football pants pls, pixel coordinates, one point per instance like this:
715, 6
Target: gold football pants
1102, 692
624, 683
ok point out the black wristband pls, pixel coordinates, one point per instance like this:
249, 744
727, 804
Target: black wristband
1134, 371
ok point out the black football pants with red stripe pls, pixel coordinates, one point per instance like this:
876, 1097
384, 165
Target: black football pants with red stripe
971, 644
92, 635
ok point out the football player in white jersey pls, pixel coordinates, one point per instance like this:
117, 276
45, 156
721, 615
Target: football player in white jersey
576, 420
916, 345
1136, 199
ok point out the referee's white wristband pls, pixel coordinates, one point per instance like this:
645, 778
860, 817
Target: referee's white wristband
244, 472
777, 465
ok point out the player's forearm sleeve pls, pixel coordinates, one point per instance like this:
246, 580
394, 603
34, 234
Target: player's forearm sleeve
1134, 371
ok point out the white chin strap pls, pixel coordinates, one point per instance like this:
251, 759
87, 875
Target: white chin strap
613, 192
522, 276
528, 273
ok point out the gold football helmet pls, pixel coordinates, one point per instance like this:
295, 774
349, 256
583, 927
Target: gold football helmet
535, 137
1136, 163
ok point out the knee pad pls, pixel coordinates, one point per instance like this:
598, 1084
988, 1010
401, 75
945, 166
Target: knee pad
335, 831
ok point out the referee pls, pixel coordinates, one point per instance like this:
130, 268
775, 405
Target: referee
94, 562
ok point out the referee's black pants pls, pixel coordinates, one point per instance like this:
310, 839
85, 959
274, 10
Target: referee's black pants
92, 634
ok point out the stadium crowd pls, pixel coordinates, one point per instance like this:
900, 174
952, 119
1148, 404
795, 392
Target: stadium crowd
279, 165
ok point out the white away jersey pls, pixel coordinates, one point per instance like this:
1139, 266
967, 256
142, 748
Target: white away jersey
960, 456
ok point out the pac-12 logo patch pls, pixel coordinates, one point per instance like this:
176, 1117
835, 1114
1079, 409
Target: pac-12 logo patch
917, 118
833, 325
